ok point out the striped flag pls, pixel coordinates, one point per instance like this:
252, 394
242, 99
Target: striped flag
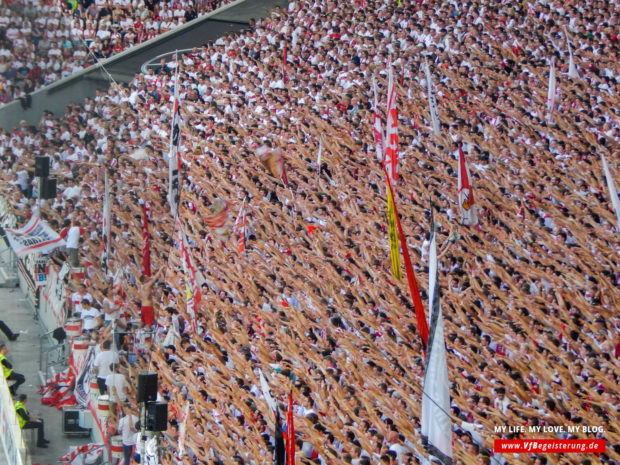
436, 427
393, 235
467, 205
432, 102
612, 191
174, 156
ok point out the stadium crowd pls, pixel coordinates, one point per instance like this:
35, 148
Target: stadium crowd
42, 41
529, 298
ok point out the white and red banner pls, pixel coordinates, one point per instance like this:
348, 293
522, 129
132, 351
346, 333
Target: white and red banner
467, 204
391, 130
35, 236
240, 227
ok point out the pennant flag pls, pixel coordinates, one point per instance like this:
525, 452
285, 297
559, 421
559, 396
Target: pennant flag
174, 157
551, 90
264, 385
413, 284
318, 157
105, 237
391, 136
467, 205
436, 427
393, 235
290, 432
35, 236
146, 243
192, 289
377, 125
279, 451
432, 102
572, 69
612, 191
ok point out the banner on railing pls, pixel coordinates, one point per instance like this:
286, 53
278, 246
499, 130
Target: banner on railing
35, 236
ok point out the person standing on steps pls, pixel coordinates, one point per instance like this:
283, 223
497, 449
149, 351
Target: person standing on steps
26, 422
8, 372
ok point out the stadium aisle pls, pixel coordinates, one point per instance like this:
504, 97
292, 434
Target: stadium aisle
23, 353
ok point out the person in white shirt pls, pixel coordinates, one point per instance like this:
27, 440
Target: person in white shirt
73, 242
128, 429
103, 364
116, 385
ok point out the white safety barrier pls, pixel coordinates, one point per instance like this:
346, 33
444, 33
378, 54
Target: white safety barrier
10, 433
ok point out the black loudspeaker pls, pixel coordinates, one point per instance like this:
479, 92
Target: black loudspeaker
147, 386
42, 167
156, 416
48, 188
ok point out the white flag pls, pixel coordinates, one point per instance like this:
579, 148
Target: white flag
264, 385
613, 193
432, 102
105, 240
174, 157
572, 69
551, 90
436, 426
318, 157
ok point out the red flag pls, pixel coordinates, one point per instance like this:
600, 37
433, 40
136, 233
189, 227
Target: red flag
413, 284
146, 244
290, 432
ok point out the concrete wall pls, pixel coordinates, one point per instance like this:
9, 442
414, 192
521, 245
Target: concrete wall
122, 67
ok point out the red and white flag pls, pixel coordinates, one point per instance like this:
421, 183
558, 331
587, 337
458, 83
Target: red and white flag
391, 134
467, 205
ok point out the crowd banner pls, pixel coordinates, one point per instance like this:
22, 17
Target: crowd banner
53, 297
35, 236
11, 438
